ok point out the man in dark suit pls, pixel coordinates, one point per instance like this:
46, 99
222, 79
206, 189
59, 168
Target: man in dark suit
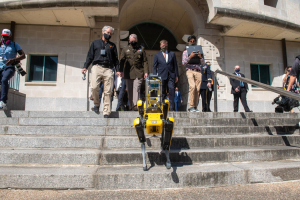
206, 87
239, 90
177, 99
165, 66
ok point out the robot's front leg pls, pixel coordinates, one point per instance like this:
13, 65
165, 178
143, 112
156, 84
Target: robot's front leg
168, 163
140, 133
144, 159
167, 138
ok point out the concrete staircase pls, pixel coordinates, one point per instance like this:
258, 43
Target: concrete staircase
82, 150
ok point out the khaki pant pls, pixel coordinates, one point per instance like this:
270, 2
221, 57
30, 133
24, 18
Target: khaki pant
106, 76
133, 90
194, 79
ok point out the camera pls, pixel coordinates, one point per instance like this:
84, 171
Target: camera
284, 104
20, 69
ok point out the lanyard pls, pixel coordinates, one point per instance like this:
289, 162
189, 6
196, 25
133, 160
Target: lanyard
3, 51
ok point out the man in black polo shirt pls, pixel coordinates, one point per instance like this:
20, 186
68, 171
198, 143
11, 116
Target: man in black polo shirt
294, 72
104, 57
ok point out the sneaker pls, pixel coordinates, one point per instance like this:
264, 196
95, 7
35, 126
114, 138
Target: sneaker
96, 109
192, 109
196, 110
3, 106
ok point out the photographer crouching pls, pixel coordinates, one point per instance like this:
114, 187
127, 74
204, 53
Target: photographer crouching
285, 103
8, 60
294, 73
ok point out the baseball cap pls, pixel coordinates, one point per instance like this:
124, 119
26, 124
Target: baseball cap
6, 32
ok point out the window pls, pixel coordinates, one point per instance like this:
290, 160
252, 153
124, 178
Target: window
261, 73
272, 3
43, 68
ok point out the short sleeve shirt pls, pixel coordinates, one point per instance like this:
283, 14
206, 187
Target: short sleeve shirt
8, 52
295, 68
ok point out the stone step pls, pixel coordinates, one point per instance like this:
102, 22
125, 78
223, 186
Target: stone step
157, 177
129, 122
130, 131
134, 156
94, 142
190, 156
128, 114
111, 142
50, 156
191, 142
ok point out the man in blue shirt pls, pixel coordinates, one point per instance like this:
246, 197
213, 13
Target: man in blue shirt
8, 53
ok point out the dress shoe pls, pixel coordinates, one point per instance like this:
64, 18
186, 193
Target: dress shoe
96, 109
106, 116
135, 108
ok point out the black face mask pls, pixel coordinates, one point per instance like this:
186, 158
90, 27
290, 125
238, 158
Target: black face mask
133, 44
106, 36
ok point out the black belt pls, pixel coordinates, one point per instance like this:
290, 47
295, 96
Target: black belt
105, 65
197, 70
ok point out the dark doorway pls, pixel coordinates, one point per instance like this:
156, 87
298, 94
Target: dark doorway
150, 34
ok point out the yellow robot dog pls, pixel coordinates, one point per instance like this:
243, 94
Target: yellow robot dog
153, 116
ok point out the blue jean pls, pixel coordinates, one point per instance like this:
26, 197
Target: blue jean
5, 75
177, 105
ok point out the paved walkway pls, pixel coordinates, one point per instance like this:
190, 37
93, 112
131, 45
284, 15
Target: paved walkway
285, 190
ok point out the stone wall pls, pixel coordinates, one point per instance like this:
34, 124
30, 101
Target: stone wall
71, 44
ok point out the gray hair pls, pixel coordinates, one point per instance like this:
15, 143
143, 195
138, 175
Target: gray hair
133, 36
108, 27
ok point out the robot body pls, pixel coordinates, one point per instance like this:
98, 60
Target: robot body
154, 118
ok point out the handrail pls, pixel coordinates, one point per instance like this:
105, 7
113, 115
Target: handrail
246, 80
14, 82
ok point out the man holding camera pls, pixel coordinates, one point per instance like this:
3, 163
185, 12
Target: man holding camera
8, 60
104, 57
193, 73
294, 72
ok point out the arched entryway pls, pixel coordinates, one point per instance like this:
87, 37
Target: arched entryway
176, 17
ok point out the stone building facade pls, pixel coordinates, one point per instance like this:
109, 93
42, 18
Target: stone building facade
232, 32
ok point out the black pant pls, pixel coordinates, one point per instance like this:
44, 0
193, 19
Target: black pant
243, 96
170, 84
206, 97
120, 94
5, 75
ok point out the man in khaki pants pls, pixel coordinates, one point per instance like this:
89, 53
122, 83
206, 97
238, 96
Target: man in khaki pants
104, 57
193, 73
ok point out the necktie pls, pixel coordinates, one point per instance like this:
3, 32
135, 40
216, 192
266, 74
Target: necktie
165, 55
241, 82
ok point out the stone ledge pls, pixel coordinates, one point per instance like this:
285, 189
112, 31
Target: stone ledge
39, 84
253, 17
34, 4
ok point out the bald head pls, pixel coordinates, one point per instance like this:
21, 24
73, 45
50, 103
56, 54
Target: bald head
236, 67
